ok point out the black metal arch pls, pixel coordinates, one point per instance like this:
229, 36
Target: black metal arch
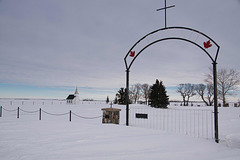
172, 28
214, 62
169, 38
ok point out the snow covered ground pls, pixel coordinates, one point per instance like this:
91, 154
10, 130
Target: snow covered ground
55, 137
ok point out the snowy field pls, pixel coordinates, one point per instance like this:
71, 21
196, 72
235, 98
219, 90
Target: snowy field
54, 137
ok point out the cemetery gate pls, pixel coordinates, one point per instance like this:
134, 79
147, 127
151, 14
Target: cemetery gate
192, 36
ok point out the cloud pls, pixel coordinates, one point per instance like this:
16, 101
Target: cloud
83, 43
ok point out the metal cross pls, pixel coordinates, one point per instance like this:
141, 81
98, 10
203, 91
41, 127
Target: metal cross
165, 8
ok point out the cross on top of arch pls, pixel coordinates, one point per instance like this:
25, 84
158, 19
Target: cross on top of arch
165, 8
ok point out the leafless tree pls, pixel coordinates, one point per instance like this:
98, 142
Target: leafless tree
135, 92
202, 89
227, 82
186, 90
145, 89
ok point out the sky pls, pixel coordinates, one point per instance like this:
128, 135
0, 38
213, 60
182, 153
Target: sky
50, 47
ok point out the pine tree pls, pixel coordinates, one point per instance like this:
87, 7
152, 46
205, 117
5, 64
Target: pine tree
158, 95
107, 101
115, 100
121, 96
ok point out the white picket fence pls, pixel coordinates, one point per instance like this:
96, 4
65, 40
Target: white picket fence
192, 122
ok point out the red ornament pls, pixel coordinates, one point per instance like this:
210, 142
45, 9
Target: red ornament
207, 44
132, 53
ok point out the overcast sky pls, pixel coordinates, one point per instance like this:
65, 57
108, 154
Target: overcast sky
48, 47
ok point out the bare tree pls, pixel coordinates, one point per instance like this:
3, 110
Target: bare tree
186, 91
210, 94
135, 92
227, 82
202, 89
145, 89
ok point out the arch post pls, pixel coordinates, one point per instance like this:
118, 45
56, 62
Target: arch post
215, 101
127, 96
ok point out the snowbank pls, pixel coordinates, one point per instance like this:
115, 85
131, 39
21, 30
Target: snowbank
55, 138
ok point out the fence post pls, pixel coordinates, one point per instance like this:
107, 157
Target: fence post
70, 116
18, 112
1, 111
40, 114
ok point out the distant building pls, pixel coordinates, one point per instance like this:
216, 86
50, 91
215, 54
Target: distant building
73, 98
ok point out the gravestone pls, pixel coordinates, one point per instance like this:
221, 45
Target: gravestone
226, 105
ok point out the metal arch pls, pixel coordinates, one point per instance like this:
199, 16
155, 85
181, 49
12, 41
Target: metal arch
169, 38
170, 28
214, 62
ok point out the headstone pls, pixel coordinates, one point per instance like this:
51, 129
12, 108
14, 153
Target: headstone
226, 105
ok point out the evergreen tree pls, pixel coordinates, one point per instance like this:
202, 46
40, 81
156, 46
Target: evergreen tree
121, 96
115, 100
158, 95
107, 101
